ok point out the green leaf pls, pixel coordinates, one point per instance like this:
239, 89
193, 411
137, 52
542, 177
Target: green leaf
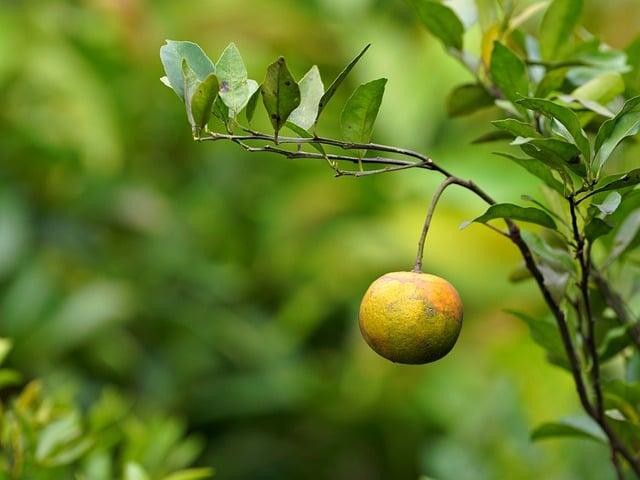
441, 21
565, 116
232, 76
626, 234
610, 204
5, 347
632, 370
547, 158
311, 91
538, 169
625, 126
581, 427
134, 471
557, 25
280, 93
252, 103
564, 151
555, 153
467, 99
556, 258
493, 136
627, 180
360, 112
191, 474
509, 73
529, 198
9, 377
614, 130
601, 89
190, 81
596, 228
202, 101
254, 91
615, 340
338, 81
515, 212
56, 435
545, 333
553, 81
221, 111
171, 56
516, 128
629, 392
199, 97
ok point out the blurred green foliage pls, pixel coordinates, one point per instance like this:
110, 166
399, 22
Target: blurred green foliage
224, 287
45, 436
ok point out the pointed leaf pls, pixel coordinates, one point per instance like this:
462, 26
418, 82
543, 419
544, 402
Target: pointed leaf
199, 100
538, 169
190, 82
441, 21
509, 73
467, 99
171, 56
557, 25
336, 83
610, 204
253, 88
626, 234
601, 89
545, 333
221, 111
565, 116
360, 112
252, 103
581, 427
191, 474
280, 93
614, 130
493, 137
311, 91
625, 181
552, 81
596, 228
615, 340
515, 212
232, 76
5, 347
516, 128
557, 258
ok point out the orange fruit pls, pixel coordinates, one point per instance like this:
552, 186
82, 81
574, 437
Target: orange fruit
410, 317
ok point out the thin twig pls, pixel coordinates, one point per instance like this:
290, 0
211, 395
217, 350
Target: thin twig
427, 222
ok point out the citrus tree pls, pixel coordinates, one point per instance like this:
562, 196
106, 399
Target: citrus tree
567, 102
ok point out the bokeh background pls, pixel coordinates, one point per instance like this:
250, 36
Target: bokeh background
223, 287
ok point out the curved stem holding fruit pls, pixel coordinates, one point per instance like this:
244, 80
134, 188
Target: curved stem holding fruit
427, 221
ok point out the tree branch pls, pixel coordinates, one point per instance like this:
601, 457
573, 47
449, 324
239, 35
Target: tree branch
583, 256
514, 235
